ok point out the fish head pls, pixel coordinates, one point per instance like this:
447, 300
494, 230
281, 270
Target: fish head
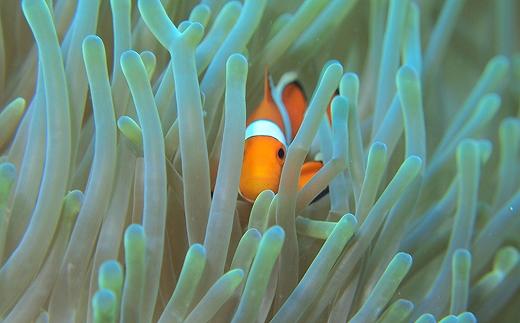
264, 157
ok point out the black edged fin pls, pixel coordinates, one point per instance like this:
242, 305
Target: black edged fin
298, 84
322, 194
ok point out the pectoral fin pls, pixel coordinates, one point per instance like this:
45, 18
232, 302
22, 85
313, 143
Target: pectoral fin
309, 169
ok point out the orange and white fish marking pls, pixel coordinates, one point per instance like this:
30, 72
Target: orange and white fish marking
269, 130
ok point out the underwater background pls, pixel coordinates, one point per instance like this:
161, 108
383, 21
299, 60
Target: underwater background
122, 134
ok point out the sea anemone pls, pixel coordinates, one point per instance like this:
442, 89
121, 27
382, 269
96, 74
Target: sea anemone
122, 137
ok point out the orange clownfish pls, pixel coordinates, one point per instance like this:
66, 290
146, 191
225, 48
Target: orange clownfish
269, 131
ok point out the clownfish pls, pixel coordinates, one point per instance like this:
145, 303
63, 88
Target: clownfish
269, 130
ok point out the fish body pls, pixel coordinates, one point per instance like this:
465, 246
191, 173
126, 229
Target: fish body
269, 130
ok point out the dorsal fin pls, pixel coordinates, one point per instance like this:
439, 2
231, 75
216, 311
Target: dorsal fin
267, 109
295, 102
268, 84
329, 107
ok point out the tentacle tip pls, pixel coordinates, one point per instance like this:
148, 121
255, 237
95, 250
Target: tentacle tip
276, 232
340, 102
335, 70
407, 74
237, 64
93, 39
351, 77
92, 42
111, 268
349, 218
129, 58
255, 233
379, 146
467, 146
193, 33
499, 61
104, 300
129, 55
485, 148
234, 5
135, 236
73, 201
492, 100
198, 249
237, 273
404, 257
20, 104
135, 229
202, 9
415, 162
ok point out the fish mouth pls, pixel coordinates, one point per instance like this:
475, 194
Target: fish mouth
245, 198
251, 187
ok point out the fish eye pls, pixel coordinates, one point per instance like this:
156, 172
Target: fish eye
281, 153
